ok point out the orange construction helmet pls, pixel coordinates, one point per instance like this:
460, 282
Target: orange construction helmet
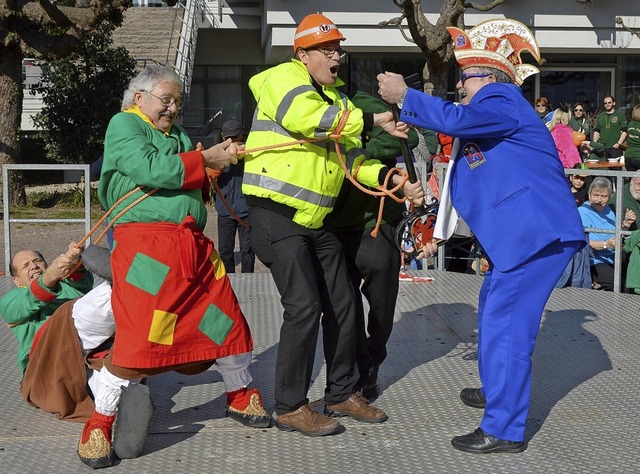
315, 29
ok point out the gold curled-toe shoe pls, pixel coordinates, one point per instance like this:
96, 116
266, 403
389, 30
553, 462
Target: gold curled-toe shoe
358, 408
95, 449
308, 422
253, 414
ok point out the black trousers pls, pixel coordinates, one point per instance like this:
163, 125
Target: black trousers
310, 273
227, 228
603, 273
632, 164
373, 264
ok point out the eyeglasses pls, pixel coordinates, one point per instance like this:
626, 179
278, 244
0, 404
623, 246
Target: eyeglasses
329, 52
608, 103
541, 105
165, 101
464, 76
578, 110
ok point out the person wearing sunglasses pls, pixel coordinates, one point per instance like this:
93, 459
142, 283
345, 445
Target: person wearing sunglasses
610, 131
506, 182
579, 121
542, 107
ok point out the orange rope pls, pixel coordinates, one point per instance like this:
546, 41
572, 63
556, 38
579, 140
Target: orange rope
112, 221
238, 219
382, 192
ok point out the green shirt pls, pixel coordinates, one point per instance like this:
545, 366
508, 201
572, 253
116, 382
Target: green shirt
610, 127
633, 141
26, 308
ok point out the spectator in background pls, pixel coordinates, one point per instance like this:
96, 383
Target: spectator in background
631, 206
95, 168
597, 214
630, 202
579, 121
542, 107
632, 152
610, 131
426, 147
230, 184
562, 135
579, 188
577, 274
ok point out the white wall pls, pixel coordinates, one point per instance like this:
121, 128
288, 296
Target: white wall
559, 25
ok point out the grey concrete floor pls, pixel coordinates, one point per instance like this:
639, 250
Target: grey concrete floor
583, 417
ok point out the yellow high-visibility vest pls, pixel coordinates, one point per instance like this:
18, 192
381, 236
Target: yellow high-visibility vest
308, 176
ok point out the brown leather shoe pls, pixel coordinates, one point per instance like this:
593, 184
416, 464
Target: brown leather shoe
358, 407
308, 422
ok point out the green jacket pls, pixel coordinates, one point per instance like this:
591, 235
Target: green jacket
26, 308
136, 153
355, 210
305, 177
582, 126
633, 140
632, 246
628, 202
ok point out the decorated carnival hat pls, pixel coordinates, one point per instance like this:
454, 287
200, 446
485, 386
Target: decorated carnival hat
498, 44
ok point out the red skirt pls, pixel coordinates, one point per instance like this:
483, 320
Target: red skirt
172, 299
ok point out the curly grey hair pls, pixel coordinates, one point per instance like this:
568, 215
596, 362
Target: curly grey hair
146, 80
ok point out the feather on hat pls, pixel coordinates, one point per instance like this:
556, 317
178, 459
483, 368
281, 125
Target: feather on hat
498, 44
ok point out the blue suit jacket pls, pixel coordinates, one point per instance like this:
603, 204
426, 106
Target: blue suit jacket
507, 181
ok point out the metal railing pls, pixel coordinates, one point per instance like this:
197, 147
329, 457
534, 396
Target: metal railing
617, 176
8, 220
184, 37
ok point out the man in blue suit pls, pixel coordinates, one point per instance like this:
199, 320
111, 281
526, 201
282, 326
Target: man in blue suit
507, 183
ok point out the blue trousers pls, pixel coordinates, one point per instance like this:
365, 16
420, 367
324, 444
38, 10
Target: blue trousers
227, 228
510, 308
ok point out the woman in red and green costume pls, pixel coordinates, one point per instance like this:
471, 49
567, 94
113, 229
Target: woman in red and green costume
172, 301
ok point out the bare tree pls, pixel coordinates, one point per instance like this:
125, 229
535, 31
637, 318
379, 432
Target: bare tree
433, 39
620, 21
46, 30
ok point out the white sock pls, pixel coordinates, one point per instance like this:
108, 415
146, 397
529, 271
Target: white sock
235, 371
108, 391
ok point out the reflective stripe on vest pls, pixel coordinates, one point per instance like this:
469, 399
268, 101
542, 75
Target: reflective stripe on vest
287, 189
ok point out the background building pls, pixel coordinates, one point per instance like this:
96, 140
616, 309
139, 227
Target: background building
217, 46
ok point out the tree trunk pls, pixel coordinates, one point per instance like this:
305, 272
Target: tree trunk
12, 95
